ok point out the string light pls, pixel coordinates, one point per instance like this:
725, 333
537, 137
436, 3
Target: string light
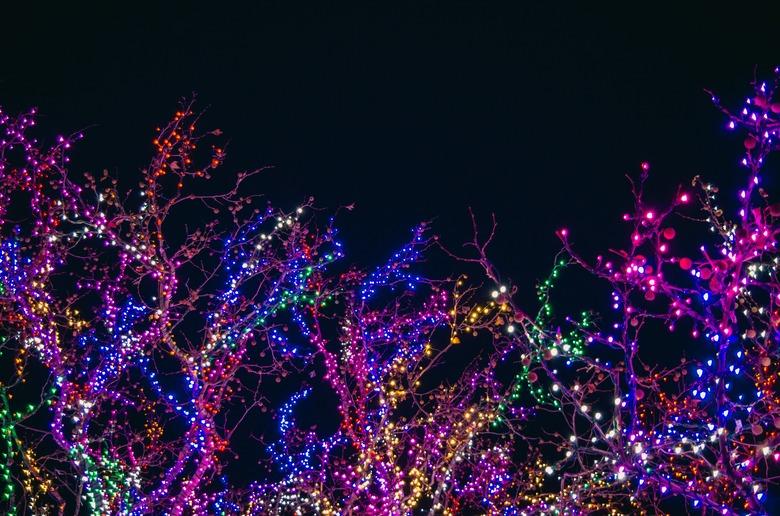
151, 354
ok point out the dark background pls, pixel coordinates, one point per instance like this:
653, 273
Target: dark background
411, 111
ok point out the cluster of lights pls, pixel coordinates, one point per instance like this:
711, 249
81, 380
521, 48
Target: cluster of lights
158, 348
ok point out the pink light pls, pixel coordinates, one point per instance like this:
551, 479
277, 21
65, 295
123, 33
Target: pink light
684, 197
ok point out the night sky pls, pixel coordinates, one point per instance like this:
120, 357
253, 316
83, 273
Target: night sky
411, 112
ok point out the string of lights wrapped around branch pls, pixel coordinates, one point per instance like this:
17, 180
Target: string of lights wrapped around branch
144, 360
